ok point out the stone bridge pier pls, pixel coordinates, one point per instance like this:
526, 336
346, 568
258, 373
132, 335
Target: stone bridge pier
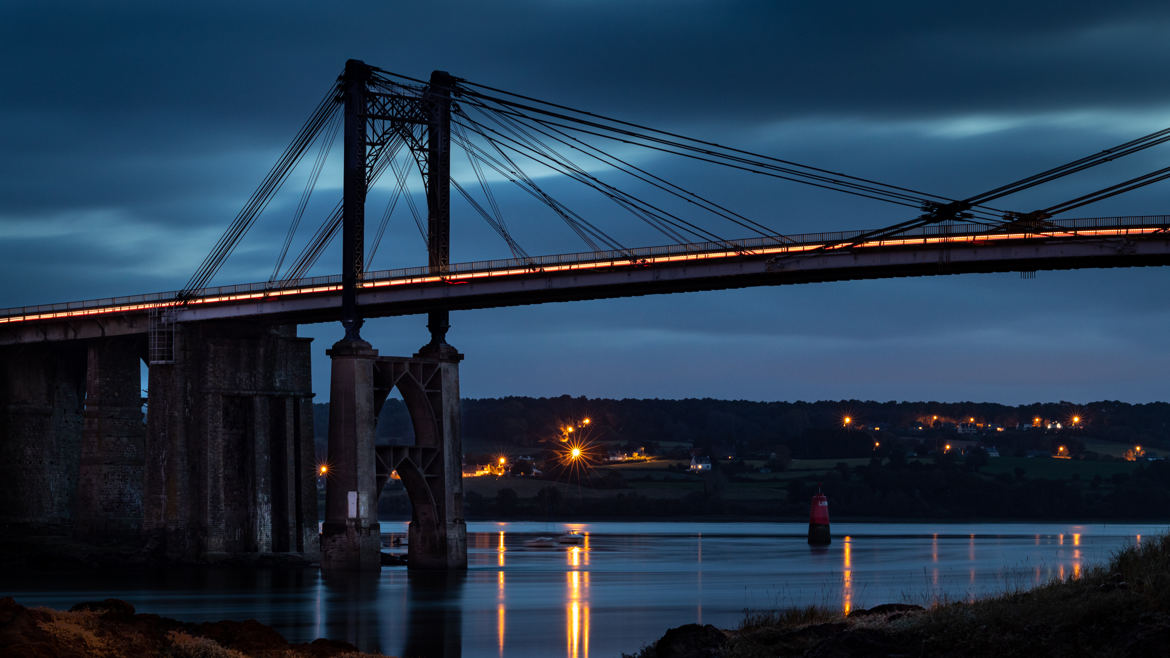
230, 468
42, 393
71, 438
109, 488
430, 469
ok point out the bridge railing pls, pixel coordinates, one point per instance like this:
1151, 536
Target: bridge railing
957, 231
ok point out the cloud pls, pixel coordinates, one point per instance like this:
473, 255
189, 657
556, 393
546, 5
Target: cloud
131, 133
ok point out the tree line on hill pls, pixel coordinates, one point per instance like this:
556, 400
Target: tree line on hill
890, 434
946, 487
804, 429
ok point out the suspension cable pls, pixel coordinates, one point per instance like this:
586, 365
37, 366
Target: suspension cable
330, 134
260, 198
653, 215
507, 167
464, 84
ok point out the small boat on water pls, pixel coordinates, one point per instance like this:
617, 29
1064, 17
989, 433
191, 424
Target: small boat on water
572, 538
540, 542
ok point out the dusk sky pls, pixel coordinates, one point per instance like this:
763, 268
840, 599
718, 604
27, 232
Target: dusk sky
133, 132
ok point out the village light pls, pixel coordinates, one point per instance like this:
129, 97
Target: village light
847, 420
322, 469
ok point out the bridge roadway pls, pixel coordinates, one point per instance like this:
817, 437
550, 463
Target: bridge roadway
956, 249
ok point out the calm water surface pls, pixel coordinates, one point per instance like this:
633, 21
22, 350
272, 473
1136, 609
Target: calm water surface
621, 588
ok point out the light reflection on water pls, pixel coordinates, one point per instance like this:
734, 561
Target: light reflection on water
617, 589
847, 576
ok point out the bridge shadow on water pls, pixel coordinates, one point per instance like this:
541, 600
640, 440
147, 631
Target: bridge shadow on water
351, 611
434, 616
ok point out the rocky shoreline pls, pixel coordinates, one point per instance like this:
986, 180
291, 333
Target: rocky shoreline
112, 628
1120, 609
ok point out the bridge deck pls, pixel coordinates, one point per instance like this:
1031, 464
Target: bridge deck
1094, 242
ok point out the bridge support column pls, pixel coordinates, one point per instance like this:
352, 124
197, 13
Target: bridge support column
42, 388
230, 468
109, 489
431, 469
350, 535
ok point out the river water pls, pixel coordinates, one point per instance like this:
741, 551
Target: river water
621, 587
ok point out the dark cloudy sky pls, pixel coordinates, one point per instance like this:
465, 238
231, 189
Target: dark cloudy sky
132, 132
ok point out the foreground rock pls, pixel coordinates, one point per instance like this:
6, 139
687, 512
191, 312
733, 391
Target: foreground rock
1122, 609
111, 628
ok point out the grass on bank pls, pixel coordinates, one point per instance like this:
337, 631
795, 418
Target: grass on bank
111, 629
1119, 609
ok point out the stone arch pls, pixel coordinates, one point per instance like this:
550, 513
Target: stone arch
431, 468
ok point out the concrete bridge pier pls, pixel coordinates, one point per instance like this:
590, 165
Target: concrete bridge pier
431, 469
230, 465
42, 390
350, 537
109, 487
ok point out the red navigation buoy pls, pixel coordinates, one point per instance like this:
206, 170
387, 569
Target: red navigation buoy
818, 521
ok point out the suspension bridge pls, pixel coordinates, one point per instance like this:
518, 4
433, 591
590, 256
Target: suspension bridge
224, 465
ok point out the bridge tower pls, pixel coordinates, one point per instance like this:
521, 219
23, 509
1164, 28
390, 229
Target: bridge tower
360, 380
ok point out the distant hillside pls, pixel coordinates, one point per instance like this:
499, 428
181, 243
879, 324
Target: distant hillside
664, 426
909, 460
